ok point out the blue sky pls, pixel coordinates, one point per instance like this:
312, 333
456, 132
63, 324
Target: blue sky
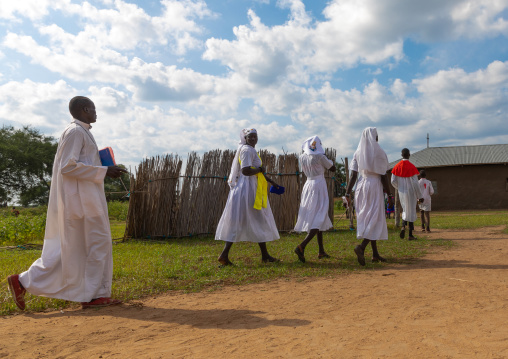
177, 76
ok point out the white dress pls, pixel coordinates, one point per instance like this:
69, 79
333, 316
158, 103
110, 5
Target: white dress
409, 193
76, 262
369, 205
427, 191
313, 212
240, 222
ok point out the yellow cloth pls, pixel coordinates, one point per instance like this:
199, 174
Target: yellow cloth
261, 190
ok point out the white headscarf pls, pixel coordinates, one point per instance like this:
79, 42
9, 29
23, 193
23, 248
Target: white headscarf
312, 146
369, 155
235, 166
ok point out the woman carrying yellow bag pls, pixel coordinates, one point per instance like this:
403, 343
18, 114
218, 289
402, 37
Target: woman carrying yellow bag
247, 216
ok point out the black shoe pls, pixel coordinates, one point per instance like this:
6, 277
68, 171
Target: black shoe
378, 259
299, 253
360, 255
402, 233
270, 259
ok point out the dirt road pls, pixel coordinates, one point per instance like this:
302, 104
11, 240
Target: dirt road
450, 304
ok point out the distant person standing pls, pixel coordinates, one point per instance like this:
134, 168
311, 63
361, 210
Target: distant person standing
76, 262
389, 208
15, 212
425, 207
313, 213
372, 163
405, 180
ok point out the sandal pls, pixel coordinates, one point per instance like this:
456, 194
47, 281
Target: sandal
225, 262
299, 253
378, 259
360, 255
270, 259
100, 302
323, 255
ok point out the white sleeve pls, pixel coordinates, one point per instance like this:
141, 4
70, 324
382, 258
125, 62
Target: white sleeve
325, 162
353, 166
70, 150
431, 189
246, 157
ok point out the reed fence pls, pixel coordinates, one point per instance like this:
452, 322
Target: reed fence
166, 203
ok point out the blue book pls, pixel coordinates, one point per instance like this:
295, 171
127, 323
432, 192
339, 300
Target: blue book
107, 157
278, 191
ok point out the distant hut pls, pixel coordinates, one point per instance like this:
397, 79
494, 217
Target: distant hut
465, 177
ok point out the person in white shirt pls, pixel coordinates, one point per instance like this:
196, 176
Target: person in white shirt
425, 207
76, 262
372, 163
313, 213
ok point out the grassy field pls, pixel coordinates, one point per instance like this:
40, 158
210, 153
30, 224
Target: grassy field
143, 268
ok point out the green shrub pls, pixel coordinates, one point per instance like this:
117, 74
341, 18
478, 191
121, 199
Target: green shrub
22, 229
118, 210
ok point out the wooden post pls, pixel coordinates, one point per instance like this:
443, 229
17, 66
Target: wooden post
396, 206
350, 208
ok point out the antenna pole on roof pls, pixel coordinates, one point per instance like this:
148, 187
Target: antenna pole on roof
427, 140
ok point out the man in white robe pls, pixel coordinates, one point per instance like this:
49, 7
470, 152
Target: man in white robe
76, 262
405, 180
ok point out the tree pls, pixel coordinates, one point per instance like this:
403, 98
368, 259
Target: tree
26, 164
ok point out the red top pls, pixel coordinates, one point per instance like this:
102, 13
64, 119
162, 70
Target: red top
405, 169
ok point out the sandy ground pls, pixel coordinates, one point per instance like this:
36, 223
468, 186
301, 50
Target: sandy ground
450, 304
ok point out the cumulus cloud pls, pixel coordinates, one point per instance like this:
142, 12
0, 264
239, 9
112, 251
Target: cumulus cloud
42, 105
455, 106
32, 9
367, 31
122, 25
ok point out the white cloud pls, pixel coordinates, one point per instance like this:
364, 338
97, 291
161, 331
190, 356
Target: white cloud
32, 9
467, 104
366, 31
122, 25
43, 105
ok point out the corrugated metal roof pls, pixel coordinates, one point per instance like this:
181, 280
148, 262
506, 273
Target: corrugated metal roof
458, 155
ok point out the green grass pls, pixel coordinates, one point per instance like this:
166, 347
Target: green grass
143, 268
467, 220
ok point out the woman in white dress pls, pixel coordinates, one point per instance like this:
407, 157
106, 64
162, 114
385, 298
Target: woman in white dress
313, 213
372, 163
247, 216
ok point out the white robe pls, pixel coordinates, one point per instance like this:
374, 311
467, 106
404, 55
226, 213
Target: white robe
313, 212
76, 262
409, 193
240, 222
369, 204
427, 191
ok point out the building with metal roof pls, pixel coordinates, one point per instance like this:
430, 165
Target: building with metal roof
458, 156
465, 177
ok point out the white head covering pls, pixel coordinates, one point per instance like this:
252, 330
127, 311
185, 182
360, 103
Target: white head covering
235, 166
312, 146
369, 155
